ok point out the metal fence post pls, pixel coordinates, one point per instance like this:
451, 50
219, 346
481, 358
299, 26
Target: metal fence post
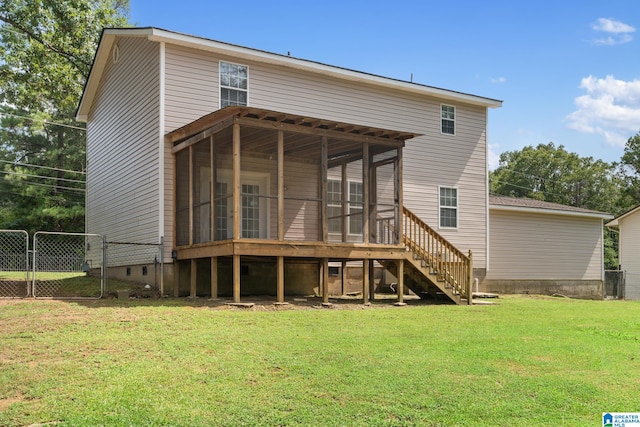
161, 266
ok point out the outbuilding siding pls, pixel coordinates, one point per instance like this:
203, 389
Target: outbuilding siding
629, 250
530, 246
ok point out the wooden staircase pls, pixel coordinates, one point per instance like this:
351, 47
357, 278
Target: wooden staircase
433, 266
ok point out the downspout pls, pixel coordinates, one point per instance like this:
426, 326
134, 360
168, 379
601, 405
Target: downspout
486, 176
161, 154
602, 256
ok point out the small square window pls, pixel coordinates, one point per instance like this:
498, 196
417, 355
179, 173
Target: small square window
334, 271
448, 116
145, 270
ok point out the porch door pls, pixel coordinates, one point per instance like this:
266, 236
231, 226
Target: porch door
253, 207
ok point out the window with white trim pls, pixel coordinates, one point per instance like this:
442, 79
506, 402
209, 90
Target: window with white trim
234, 84
448, 116
448, 207
334, 207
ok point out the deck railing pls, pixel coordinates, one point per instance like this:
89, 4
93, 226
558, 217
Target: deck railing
451, 265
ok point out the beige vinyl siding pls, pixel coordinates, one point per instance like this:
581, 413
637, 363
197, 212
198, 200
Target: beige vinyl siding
191, 86
629, 254
122, 151
531, 246
430, 161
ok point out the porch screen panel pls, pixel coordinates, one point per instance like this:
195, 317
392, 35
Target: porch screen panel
201, 200
346, 180
335, 204
385, 207
182, 197
259, 183
222, 221
355, 201
302, 198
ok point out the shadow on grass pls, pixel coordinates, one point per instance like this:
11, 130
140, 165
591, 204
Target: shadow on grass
255, 302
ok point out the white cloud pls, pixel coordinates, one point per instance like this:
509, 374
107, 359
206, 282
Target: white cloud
499, 80
619, 32
611, 26
493, 158
610, 108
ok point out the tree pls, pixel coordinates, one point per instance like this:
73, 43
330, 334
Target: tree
47, 48
552, 174
630, 171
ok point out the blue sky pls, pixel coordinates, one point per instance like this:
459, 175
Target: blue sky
568, 72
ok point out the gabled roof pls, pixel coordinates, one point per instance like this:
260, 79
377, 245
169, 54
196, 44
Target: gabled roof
616, 222
539, 206
109, 36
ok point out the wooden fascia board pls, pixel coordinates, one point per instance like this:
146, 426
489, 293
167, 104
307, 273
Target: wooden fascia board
317, 131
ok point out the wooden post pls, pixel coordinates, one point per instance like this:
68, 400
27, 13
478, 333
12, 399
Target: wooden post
191, 231
470, 280
236, 278
374, 228
323, 189
214, 277
365, 281
236, 181
343, 273
176, 278
325, 280
372, 282
344, 200
280, 185
400, 281
212, 192
365, 193
280, 279
399, 197
193, 278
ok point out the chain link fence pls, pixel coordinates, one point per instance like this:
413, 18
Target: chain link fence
14, 264
68, 265
78, 266
614, 284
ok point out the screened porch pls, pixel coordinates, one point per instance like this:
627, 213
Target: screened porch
258, 183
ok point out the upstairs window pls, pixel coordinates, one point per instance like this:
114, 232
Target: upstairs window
448, 113
448, 207
234, 81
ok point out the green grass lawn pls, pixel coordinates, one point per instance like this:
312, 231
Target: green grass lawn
528, 361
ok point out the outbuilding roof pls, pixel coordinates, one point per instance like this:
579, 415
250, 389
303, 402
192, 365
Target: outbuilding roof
539, 206
615, 222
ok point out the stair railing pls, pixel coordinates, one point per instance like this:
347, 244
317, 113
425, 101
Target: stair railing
450, 264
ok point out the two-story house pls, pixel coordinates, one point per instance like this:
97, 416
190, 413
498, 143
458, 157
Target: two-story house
260, 170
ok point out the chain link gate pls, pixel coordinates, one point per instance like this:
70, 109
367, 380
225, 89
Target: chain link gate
68, 265
14, 264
